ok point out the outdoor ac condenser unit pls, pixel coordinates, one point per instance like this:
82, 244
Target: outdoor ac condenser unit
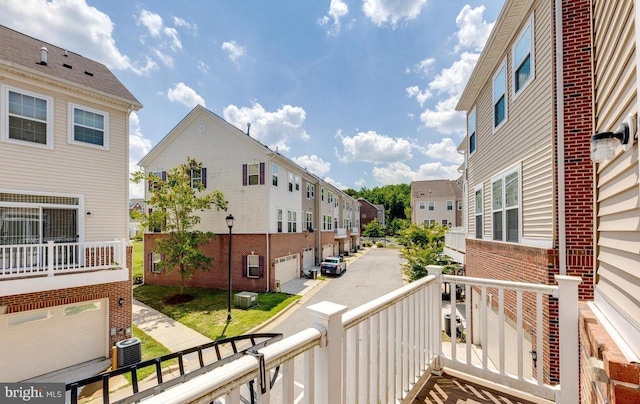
245, 300
129, 351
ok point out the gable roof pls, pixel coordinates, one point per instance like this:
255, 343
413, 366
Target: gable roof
20, 51
436, 188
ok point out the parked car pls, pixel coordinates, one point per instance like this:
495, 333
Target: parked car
333, 265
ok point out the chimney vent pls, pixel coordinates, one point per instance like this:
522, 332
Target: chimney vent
248, 128
44, 53
66, 53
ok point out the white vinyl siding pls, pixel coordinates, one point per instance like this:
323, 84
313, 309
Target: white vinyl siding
617, 182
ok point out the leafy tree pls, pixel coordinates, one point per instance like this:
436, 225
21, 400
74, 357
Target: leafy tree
373, 229
396, 225
174, 204
422, 246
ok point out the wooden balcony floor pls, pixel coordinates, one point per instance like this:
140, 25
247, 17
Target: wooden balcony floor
449, 389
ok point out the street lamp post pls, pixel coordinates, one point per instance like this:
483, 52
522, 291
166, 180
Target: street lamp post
229, 220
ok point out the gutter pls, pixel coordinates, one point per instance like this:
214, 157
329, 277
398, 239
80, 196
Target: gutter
562, 236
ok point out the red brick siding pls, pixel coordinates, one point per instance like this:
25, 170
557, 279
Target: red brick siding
595, 341
370, 212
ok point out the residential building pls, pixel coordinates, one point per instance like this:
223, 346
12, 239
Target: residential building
284, 216
436, 201
368, 212
527, 175
610, 324
65, 279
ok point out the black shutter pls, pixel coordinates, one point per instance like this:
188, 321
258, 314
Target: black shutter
150, 262
244, 174
164, 176
204, 176
261, 173
244, 266
261, 266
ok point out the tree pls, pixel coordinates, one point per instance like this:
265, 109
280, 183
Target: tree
422, 246
174, 204
373, 229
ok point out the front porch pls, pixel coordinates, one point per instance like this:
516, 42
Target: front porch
385, 350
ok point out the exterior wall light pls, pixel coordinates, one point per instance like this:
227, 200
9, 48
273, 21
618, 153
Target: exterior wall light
604, 144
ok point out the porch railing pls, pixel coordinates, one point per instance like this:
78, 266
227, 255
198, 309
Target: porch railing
340, 232
454, 244
51, 258
376, 352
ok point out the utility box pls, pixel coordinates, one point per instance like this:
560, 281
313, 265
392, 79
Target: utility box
245, 300
129, 351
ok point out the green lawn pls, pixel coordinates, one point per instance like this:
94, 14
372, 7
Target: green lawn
207, 313
137, 258
150, 349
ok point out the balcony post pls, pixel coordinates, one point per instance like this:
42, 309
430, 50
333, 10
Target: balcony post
568, 325
434, 320
50, 250
123, 254
327, 317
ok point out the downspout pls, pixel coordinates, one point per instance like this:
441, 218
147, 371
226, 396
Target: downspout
268, 258
562, 237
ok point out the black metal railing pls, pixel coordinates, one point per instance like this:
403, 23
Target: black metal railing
232, 344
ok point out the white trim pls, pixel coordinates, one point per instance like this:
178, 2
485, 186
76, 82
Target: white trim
71, 125
253, 266
4, 102
532, 59
623, 333
495, 127
535, 242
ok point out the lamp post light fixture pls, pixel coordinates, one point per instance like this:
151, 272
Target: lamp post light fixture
229, 220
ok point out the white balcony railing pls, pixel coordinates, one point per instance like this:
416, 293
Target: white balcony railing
340, 232
49, 259
454, 244
381, 351
355, 230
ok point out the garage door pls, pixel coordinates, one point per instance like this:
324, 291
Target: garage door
41, 341
287, 268
327, 250
347, 245
307, 258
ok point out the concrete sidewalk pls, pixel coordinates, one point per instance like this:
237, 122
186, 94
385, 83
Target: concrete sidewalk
170, 333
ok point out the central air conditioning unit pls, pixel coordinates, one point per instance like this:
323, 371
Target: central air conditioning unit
129, 351
245, 300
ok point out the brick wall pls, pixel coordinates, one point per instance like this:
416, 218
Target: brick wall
367, 214
623, 385
517, 263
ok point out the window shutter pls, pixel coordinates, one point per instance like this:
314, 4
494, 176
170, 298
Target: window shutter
261, 173
244, 266
164, 176
150, 262
244, 174
261, 266
150, 184
203, 172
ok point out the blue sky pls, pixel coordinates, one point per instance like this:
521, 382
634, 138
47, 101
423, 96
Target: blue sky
360, 92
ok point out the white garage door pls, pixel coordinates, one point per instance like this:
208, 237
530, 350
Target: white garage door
347, 245
41, 341
327, 250
287, 268
307, 258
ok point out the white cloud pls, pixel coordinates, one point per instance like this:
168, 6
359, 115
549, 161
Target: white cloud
164, 58
314, 164
275, 129
424, 66
179, 22
444, 117
361, 183
152, 21
234, 50
203, 67
337, 10
172, 33
396, 173
446, 150
139, 146
473, 28
420, 96
335, 183
374, 148
453, 79
393, 12
185, 95
90, 34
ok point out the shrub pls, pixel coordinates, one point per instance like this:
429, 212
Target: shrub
380, 244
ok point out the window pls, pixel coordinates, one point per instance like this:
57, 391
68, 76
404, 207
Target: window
471, 130
322, 194
432, 205
330, 197
478, 212
279, 220
297, 179
274, 175
88, 126
156, 258
523, 70
156, 176
199, 176
499, 96
449, 205
445, 222
27, 117
309, 221
311, 191
505, 192
290, 182
253, 266
327, 222
422, 205
292, 222
459, 205
253, 174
